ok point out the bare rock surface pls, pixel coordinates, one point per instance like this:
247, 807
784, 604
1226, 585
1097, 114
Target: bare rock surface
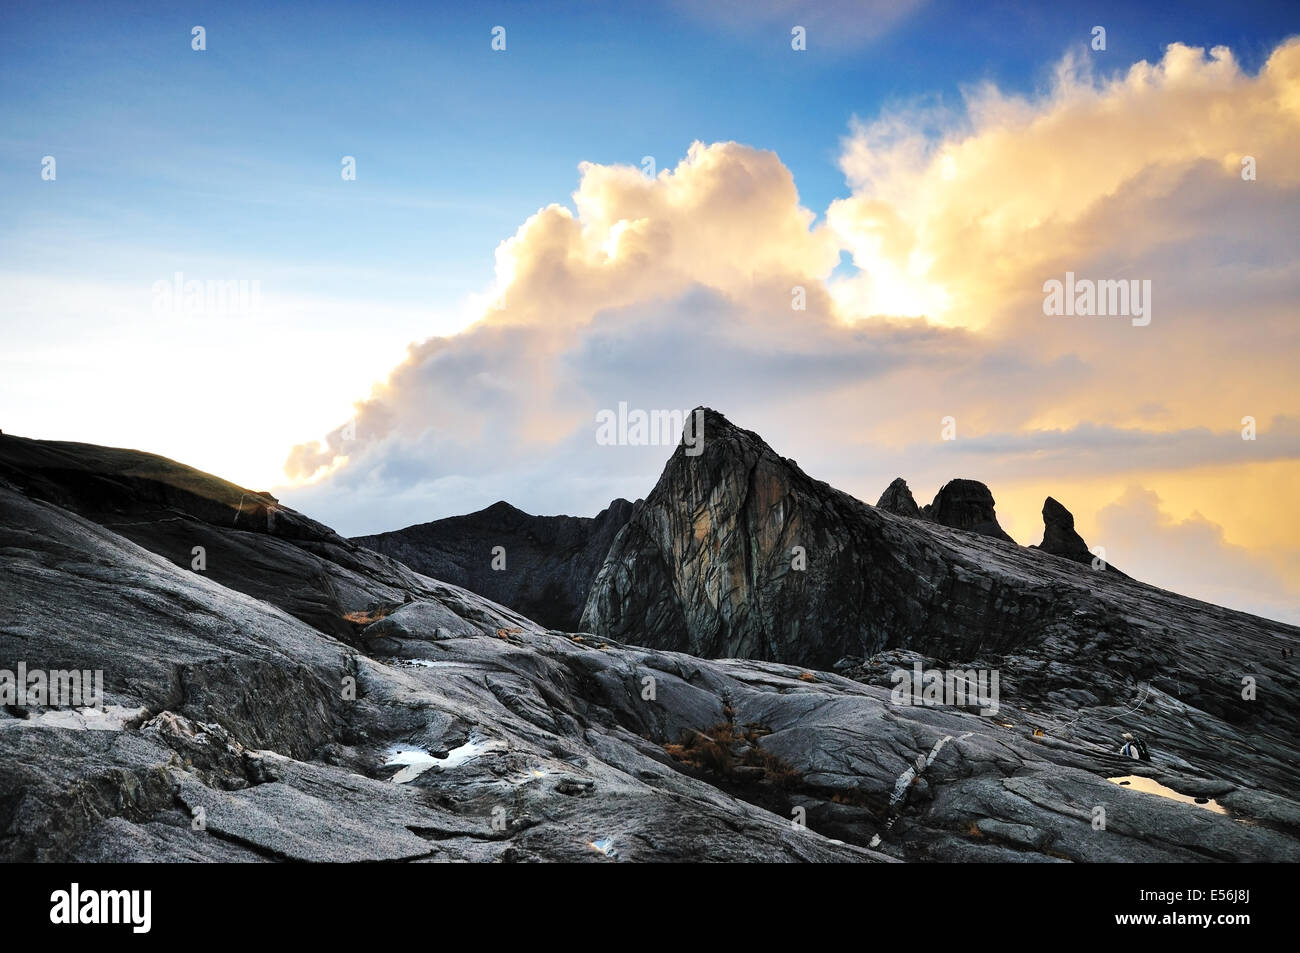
435, 725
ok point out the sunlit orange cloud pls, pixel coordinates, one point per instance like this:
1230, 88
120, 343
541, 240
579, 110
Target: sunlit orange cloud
1255, 489
964, 223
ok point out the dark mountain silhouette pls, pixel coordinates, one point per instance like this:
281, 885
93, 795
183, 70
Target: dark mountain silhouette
546, 563
968, 505
1060, 538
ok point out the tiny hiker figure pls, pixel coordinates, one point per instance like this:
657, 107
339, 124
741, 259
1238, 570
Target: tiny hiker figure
1134, 748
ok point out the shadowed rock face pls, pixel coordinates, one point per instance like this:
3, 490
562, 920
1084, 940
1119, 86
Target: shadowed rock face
248, 540
968, 505
897, 499
1060, 538
550, 561
291, 739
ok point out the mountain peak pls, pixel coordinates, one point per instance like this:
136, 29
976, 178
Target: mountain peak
1061, 539
969, 505
738, 553
501, 509
898, 499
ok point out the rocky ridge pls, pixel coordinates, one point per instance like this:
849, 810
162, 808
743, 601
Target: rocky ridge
373, 713
546, 563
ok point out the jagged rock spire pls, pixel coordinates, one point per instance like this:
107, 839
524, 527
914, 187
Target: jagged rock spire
898, 499
1061, 539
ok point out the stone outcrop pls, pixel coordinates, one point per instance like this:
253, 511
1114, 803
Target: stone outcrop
546, 563
968, 505
1061, 539
244, 540
737, 552
897, 499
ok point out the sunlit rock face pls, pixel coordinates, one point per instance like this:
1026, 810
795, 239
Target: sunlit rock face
738, 552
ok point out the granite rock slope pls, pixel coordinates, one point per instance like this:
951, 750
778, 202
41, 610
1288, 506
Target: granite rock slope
230, 730
437, 725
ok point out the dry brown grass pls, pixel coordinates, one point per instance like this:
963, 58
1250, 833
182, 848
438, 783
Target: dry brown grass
365, 616
776, 771
723, 749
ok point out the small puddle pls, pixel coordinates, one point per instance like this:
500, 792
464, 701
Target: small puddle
414, 760
603, 846
1149, 786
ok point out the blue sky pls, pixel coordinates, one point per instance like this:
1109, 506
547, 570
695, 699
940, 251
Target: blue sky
174, 159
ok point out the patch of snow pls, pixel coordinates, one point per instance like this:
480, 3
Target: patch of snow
426, 663
110, 718
414, 760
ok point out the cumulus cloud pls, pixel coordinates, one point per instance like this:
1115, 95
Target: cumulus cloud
707, 252
953, 223
1193, 556
680, 290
